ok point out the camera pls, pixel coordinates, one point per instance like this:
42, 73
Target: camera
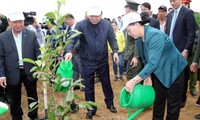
29, 20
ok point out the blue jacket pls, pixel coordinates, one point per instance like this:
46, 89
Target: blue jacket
160, 56
93, 41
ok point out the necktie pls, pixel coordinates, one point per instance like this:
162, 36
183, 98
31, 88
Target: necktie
69, 28
173, 24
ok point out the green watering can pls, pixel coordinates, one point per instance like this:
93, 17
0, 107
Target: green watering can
3, 108
142, 97
65, 70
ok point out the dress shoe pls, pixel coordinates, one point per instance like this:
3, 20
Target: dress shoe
35, 118
90, 115
198, 102
197, 116
193, 92
112, 109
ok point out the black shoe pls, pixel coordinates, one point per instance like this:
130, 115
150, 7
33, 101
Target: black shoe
112, 109
74, 107
193, 92
76, 87
197, 116
90, 115
198, 102
121, 78
35, 118
116, 78
182, 104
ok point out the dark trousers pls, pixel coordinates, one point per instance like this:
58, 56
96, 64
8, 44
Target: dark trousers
120, 64
103, 72
76, 66
185, 89
170, 95
15, 96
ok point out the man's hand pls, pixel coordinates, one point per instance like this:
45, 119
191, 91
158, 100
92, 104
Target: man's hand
185, 54
116, 58
193, 67
134, 62
3, 82
68, 56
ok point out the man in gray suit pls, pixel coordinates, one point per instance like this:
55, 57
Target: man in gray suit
16, 44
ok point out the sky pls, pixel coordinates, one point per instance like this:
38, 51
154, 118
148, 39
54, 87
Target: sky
111, 8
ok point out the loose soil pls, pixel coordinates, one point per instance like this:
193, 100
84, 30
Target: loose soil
187, 113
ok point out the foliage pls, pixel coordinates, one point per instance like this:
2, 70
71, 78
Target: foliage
45, 69
197, 19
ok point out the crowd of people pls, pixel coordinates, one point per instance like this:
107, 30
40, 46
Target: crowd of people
162, 50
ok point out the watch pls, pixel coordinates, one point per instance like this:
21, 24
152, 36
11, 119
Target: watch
135, 80
186, 50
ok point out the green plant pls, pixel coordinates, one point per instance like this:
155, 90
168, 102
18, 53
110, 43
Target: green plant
45, 70
197, 19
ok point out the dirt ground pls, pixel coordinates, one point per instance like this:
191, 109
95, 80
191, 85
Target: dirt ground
187, 113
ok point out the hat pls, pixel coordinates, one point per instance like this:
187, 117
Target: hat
187, 1
16, 16
132, 4
129, 18
162, 7
94, 10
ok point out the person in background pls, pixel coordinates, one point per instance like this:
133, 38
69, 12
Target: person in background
94, 55
15, 44
132, 62
121, 44
52, 32
158, 54
162, 12
3, 23
192, 75
4, 94
77, 74
38, 31
194, 66
119, 22
170, 9
146, 8
181, 28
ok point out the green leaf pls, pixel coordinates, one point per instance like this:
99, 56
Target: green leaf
34, 68
75, 34
38, 63
197, 19
51, 15
70, 95
35, 75
28, 60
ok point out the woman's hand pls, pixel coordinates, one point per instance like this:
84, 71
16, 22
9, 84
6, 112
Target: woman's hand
68, 56
148, 81
130, 85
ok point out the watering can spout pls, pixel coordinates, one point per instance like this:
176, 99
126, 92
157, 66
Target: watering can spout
135, 114
142, 97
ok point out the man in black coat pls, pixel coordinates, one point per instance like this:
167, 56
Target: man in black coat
181, 28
